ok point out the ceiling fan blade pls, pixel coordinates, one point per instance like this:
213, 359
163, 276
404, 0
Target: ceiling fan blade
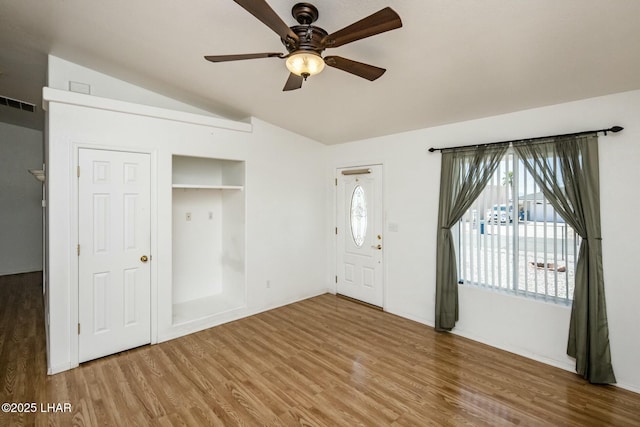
360, 69
293, 82
261, 10
239, 57
383, 20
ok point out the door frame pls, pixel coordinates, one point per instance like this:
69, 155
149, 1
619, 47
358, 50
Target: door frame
334, 213
74, 337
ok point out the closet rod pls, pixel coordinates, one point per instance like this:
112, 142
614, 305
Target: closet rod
613, 129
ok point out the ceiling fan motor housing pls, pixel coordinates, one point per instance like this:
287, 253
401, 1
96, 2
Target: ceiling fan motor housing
310, 37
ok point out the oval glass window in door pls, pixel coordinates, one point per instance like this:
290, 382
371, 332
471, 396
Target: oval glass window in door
358, 216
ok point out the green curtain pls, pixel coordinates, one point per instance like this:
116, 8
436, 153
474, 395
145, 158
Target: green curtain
464, 174
566, 169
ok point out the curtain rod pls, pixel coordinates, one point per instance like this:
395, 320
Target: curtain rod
613, 129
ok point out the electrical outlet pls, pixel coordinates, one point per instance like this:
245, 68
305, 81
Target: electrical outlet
268, 284
188, 216
210, 215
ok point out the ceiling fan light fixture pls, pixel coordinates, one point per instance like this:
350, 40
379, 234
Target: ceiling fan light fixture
305, 63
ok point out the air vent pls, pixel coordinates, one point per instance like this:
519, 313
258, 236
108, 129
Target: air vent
15, 103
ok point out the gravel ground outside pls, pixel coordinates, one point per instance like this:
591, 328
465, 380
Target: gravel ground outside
540, 272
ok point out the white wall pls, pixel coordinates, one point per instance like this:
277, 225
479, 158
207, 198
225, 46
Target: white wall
285, 206
290, 210
20, 200
61, 72
530, 328
197, 246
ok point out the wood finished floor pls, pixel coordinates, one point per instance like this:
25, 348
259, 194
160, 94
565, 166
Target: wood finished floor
322, 361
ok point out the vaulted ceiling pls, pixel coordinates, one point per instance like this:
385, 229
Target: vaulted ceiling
451, 61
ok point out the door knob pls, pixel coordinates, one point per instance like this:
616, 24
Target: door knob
376, 247
144, 258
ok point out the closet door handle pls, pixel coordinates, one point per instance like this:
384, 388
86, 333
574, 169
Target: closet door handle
144, 258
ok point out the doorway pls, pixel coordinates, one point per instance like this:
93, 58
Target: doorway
114, 241
359, 210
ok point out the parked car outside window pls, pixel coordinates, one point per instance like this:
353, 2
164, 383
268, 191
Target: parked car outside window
500, 214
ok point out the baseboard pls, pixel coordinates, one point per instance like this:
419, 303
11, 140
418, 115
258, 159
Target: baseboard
569, 367
59, 368
628, 387
21, 271
510, 349
555, 363
412, 317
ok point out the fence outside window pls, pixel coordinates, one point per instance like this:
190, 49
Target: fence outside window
512, 240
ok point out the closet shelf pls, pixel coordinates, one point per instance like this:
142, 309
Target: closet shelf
209, 187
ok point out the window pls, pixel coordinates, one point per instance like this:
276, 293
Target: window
512, 240
358, 216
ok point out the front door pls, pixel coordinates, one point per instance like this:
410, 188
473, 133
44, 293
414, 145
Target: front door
359, 234
114, 236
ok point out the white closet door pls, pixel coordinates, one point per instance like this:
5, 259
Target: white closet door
114, 288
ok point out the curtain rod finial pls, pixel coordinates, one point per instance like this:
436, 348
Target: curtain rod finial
431, 150
616, 129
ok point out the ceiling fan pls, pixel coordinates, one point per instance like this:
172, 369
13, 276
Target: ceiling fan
306, 42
